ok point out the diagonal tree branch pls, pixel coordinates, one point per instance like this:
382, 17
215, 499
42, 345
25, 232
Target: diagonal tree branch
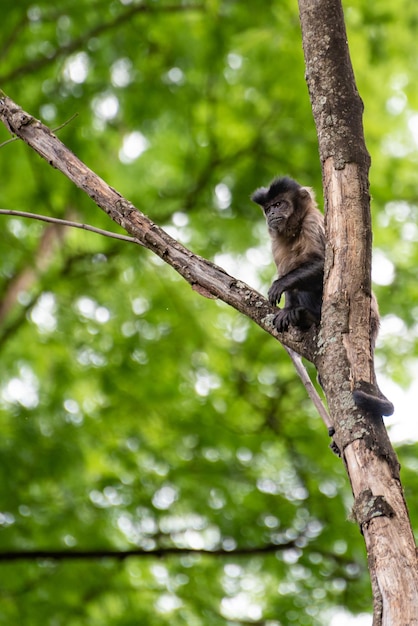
204, 276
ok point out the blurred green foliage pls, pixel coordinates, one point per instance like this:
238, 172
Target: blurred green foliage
134, 414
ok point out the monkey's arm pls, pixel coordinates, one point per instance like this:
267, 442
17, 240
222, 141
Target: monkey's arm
306, 277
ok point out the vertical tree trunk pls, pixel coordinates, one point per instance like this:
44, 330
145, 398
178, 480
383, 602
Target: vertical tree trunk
345, 356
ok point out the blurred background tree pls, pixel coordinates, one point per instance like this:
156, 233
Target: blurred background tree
135, 414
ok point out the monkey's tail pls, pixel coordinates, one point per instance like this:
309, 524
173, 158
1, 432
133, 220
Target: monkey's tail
372, 400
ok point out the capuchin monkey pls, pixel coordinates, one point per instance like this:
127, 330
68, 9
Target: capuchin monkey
297, 232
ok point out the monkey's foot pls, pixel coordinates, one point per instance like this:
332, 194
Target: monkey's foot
298, 317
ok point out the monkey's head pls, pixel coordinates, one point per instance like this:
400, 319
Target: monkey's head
284, 204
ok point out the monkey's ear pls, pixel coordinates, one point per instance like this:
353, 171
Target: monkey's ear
307, 192
260, 196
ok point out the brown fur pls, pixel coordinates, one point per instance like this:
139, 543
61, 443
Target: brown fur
304, 240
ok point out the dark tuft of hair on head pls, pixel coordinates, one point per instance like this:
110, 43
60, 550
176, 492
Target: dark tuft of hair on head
277, 187
259, 195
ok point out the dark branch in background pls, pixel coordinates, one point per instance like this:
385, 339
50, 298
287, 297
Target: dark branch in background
120, 555
7, 42
102, 27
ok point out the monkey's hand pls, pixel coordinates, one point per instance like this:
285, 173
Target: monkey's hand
275, 292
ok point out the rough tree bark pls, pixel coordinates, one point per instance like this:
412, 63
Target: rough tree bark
345, 357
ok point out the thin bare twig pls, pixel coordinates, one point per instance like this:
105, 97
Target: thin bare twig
70, 119
61, 222
12, 140
312, 392
80, 42
54, 130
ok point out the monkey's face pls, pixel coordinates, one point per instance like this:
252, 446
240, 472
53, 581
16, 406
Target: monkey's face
277, 213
